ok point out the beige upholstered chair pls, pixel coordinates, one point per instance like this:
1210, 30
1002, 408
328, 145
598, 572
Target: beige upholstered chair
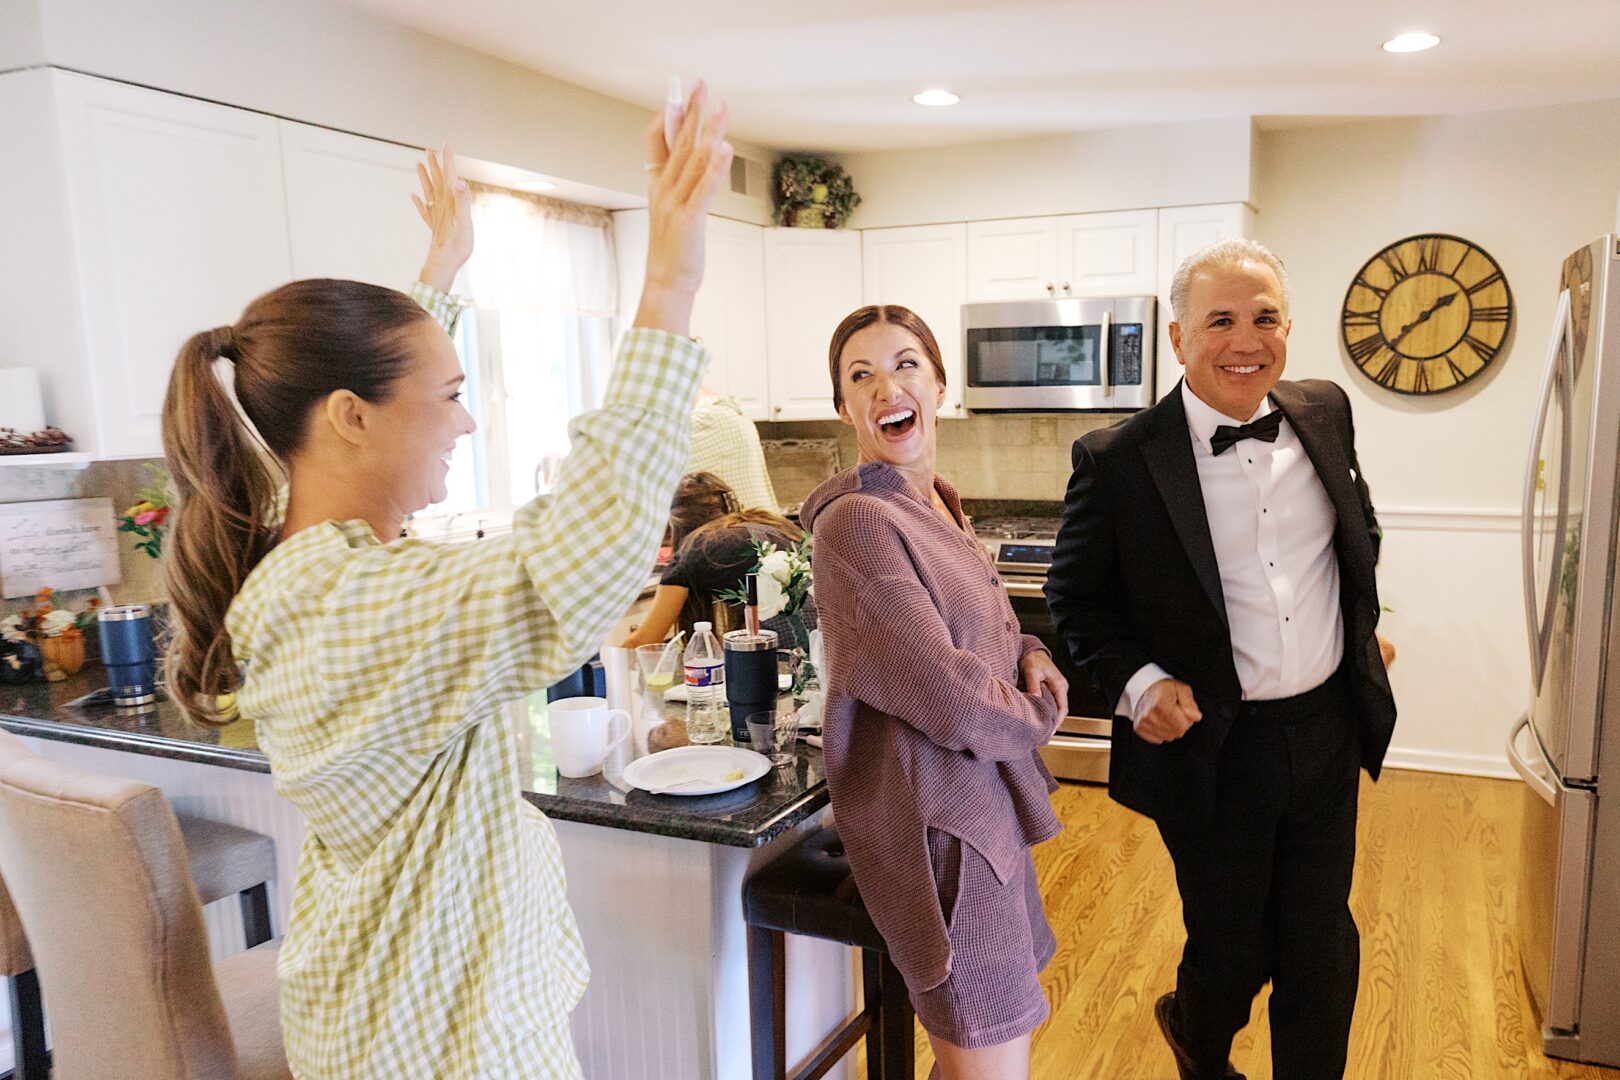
97, 869
27, 1020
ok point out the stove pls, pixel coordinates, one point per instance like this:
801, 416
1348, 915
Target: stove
1022, 549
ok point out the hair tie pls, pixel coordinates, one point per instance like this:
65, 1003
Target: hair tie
225, 343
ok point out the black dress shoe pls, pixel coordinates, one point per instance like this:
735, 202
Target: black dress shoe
1163, 1009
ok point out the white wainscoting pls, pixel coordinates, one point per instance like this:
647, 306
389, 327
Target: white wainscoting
234, 796
1452, 582
661, 920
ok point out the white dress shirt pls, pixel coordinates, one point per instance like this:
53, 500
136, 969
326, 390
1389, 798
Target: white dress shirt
1272, 526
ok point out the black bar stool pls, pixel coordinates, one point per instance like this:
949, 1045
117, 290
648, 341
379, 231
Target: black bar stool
808, 890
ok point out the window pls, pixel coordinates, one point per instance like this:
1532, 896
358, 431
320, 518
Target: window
537, 348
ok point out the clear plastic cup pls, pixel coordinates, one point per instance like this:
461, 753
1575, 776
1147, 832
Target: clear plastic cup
774, 734
662, 666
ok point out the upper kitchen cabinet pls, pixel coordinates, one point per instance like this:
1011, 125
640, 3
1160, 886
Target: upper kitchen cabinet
1182, 231
923, 268
1107, 254
349, 212
178, 222
1185, 229
160, 215
1012, 260
728, 313
812, 280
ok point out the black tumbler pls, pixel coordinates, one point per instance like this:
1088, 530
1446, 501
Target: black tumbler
128, 653
750, 678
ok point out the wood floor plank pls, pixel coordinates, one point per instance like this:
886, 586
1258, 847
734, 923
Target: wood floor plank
1442, 994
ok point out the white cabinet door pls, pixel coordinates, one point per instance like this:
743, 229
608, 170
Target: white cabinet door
736, 254
349, 212
812, 280
709, 316
1015, 259
1108, 254
1183, 230
728, 313
923, 268
179, 220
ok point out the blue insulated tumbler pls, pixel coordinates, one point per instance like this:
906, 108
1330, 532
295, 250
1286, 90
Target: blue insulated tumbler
750, 678
127, 652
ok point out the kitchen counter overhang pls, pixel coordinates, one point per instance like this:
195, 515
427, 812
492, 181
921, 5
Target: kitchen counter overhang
749, 817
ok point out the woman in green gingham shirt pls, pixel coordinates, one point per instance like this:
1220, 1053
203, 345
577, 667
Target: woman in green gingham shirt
430, 934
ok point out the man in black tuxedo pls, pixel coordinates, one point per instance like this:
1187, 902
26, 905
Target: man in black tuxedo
1214, 577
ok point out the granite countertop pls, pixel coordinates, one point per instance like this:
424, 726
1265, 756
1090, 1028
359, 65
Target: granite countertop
749, 816
47, 711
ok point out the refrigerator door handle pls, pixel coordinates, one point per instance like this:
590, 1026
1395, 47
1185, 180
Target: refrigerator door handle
1535, 773
1533, 620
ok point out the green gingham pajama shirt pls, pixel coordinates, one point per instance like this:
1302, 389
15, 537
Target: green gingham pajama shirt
430, 933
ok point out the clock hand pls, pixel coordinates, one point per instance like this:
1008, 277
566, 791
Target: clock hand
1424, 317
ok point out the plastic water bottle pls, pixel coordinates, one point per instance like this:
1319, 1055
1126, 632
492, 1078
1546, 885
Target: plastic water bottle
706, 716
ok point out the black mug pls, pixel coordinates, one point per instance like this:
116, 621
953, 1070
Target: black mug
750, 678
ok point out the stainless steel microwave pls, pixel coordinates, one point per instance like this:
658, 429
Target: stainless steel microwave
1070, 355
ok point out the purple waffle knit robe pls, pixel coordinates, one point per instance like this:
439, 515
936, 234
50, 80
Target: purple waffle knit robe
925, 725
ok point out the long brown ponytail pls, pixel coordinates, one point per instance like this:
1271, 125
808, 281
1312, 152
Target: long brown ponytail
291, 348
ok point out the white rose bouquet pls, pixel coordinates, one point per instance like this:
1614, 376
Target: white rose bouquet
784, 585
784, 582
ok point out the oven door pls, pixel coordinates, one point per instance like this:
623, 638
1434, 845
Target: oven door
1079, 750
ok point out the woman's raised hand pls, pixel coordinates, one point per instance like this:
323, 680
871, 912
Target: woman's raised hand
682, 182
446, 207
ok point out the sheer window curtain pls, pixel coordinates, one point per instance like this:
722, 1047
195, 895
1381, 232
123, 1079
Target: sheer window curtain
544, 284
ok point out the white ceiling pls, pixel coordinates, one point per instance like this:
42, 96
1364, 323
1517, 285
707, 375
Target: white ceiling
838, 75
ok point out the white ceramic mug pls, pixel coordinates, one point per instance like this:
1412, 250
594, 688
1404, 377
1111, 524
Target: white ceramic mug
582, 733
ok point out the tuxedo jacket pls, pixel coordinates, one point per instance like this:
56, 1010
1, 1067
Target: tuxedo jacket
1134, 579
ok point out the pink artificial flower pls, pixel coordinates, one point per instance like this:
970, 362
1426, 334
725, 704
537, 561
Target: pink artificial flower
145, 517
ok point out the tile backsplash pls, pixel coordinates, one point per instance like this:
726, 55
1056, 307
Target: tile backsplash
120, 481
987, 456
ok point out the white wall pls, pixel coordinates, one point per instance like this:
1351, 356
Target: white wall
324, 63
1529, 186
1125, 169
21, 44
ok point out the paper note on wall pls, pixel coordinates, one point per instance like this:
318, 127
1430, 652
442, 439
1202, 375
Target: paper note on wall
64, 543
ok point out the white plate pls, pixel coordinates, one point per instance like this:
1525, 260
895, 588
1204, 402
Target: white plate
705, 763
678, 691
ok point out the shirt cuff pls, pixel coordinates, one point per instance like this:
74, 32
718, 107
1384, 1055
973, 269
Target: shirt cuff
658, 370
1029, 644
445, 308
1145, 676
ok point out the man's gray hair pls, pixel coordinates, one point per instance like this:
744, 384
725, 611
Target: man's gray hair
1224, 253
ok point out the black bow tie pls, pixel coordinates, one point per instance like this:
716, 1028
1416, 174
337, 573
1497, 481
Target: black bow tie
1265, 429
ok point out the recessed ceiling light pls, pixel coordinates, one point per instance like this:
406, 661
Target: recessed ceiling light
1415, 41
534, 185
935, 97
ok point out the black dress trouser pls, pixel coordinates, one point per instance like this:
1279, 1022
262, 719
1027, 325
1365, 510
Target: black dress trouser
1265, 888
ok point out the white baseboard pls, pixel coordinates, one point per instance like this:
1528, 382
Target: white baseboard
1441, 761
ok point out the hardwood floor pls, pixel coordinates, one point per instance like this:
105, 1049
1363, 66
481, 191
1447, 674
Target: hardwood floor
1441, 991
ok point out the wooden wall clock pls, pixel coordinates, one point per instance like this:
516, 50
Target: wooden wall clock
1426, 314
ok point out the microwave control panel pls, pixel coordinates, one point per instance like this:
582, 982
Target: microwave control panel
1125, 355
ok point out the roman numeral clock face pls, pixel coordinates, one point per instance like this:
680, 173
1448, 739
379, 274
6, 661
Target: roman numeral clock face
1426, 314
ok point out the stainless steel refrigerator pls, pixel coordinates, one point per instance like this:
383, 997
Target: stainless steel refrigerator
1567, 746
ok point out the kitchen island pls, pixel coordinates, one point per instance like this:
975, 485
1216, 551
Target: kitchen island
655, 881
